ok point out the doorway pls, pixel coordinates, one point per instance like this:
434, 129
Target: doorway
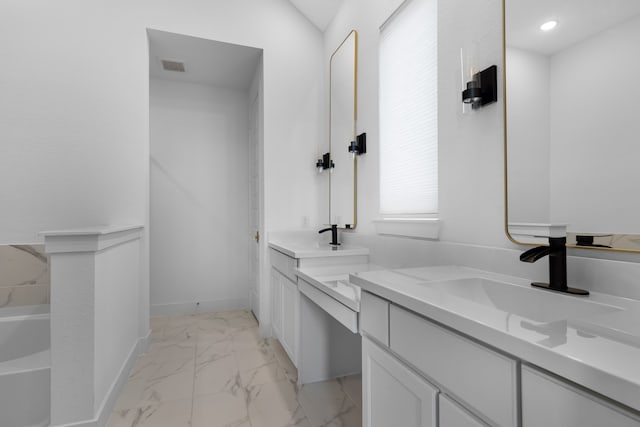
205, 115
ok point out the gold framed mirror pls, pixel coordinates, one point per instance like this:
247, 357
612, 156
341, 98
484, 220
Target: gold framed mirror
571, 126
343, 96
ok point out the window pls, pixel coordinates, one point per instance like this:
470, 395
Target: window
409, 112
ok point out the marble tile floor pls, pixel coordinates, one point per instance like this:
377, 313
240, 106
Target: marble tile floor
214, 370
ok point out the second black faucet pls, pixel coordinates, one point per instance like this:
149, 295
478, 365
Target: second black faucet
334, 234
557, 252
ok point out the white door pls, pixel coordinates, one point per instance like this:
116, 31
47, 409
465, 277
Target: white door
392, 395
254, 209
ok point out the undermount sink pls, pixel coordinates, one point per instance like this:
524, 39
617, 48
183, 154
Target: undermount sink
534, 304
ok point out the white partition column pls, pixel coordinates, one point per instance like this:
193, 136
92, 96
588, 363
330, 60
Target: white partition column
95, 292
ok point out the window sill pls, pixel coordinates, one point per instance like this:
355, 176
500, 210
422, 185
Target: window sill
419, 228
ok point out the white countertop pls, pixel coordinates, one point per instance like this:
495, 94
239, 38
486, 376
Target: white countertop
342, 291
315, 249
600, 352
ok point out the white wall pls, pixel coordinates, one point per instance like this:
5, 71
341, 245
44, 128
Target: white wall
594, 132
471, 159
95, 340
470, 150
528, 136
117, 271
73, 117
74, 112
199, 196
365, 17
74, 109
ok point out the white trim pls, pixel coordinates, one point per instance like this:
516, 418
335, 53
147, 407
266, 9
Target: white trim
91, 239
421, 228
185, 308
104, 412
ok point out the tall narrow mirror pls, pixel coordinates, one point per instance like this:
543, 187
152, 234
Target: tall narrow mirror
571, 120
342, 124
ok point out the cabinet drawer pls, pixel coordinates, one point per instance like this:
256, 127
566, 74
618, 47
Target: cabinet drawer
549, 401
284, 264
374, 317
483, 380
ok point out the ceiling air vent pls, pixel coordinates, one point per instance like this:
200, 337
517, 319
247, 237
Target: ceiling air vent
168, 65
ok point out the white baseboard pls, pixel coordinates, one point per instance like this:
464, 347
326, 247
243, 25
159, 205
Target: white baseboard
185, 308
102, 417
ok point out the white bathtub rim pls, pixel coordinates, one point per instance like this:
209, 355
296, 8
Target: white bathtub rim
24, 310
31, 362
20, 317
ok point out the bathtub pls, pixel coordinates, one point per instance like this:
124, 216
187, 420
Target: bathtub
24, 366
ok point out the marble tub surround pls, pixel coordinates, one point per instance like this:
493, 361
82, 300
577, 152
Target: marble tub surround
597, 350
214, 369
25, 275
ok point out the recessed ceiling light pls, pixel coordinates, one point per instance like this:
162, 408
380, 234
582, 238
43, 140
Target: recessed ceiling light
548, 26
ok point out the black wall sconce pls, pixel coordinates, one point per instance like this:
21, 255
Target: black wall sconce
359, 146
325, 163
482, 89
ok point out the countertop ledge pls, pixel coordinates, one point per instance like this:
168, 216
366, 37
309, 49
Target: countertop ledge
600, 352
314, 249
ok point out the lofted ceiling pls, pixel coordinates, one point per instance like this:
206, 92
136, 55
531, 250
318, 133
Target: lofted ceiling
320, 12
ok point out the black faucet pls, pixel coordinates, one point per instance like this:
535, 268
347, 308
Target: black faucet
557, 252
334, 234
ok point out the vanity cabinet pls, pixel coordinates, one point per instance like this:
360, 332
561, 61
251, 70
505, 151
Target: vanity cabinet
285, 302
286, 295
417, 373
472, 384
547, 400
393, 395
462, 367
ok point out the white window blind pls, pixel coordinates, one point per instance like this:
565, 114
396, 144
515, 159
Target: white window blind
409, 110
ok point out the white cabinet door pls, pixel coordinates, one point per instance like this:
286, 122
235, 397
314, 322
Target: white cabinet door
452, 415
459, 365
276, 303
393, 395
289, 317
548, 401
